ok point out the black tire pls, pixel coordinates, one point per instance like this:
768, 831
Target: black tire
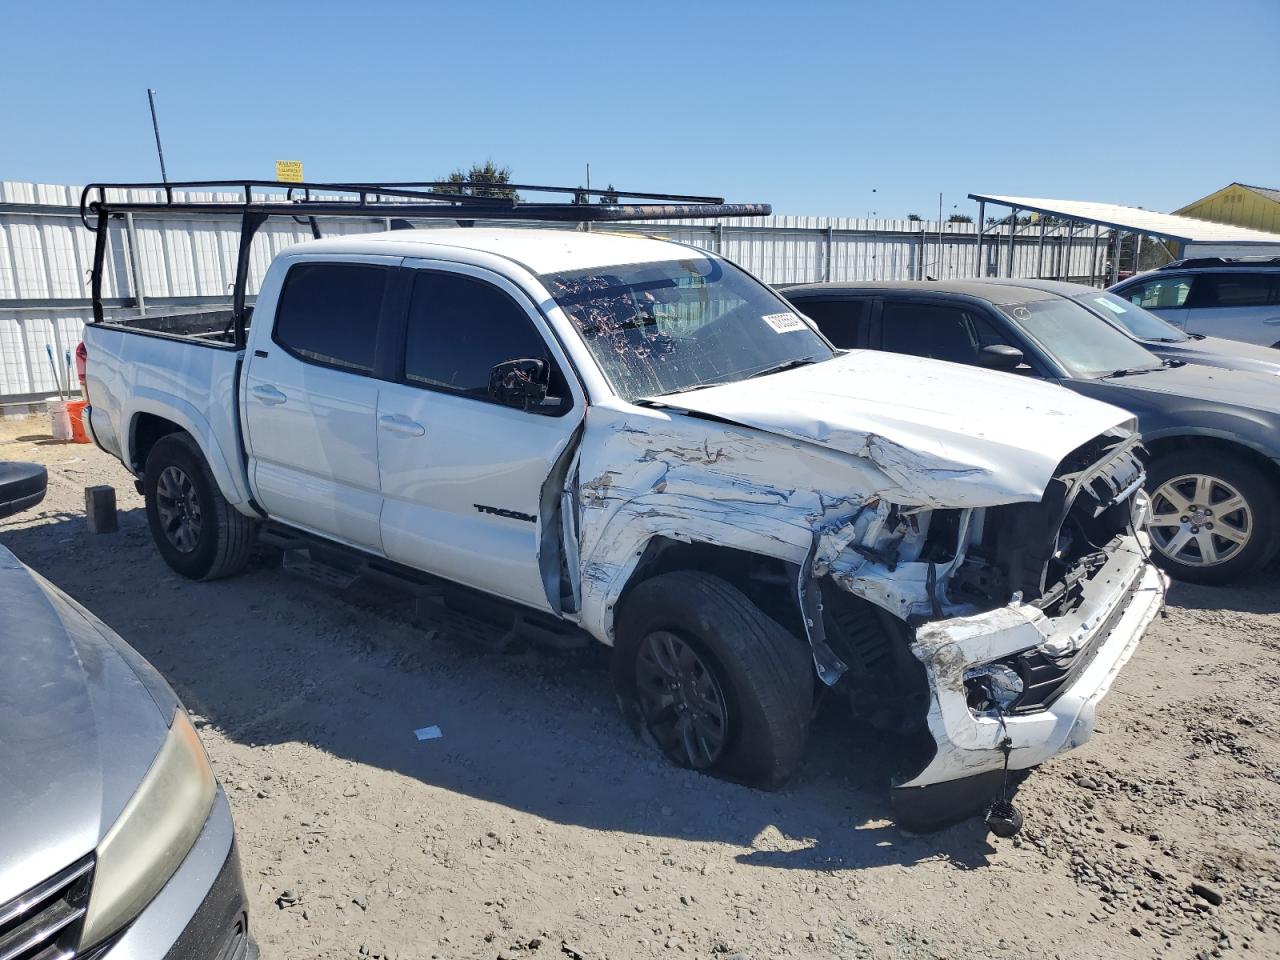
1227, 472
764, 673
220, 541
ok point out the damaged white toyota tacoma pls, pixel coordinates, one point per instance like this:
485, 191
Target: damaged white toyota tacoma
638, 441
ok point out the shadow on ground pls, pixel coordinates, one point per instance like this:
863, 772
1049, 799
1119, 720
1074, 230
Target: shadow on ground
269, 657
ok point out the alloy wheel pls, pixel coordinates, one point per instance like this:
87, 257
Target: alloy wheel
682, 701
1200, 521
179, 508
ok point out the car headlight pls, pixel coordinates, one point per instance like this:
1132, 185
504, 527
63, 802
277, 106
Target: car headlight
153, 834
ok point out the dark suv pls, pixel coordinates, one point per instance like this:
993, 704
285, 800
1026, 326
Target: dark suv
1213, 435
1235, 298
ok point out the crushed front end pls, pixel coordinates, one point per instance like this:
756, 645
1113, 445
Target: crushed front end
1028, 612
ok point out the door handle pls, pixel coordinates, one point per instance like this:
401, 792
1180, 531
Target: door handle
268, 394
399, 423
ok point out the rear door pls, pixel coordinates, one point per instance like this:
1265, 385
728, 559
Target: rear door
463, 476
311, 400
1236, 305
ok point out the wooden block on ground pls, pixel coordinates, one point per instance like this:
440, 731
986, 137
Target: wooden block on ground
100, 509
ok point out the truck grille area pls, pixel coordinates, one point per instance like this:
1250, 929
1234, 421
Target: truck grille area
45, 922
1044, 552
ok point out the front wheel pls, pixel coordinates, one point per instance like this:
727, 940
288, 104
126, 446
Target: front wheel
198, 533
1213, 515
716, 685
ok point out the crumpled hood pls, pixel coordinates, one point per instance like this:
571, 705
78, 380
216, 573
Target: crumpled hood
947, 435
78, 730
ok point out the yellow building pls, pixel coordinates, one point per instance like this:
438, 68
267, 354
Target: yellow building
1240, 205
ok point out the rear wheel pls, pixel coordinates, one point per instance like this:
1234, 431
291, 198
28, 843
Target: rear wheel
712, 682
1213, 515
198, 533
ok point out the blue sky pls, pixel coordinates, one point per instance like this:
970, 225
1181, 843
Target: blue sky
817, 108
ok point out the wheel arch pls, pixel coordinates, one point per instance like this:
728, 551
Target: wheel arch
149, 420
1176, 443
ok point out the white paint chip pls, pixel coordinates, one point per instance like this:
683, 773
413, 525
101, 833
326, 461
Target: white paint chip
428, 733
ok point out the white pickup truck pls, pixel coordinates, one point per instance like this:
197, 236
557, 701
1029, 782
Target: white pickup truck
640, 440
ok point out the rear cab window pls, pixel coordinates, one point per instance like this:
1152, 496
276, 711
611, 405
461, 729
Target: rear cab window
328, 314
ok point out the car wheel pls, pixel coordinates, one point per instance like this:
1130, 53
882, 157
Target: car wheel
1213, 515
707, 678
198, 533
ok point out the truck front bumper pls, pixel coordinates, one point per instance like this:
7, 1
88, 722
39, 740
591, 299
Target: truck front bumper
1075, 658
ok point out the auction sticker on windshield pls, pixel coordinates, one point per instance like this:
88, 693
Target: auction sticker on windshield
783, 322
1113, 307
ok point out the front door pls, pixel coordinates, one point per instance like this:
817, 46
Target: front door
310, 400
463, 475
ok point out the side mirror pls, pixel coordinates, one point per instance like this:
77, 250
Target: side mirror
519, 383
22, 486
1000, 356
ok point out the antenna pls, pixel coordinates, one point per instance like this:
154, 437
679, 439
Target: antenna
151, 98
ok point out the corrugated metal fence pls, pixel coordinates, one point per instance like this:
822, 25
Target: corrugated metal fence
171, 262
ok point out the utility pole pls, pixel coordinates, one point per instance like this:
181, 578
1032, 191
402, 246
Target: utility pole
151, 98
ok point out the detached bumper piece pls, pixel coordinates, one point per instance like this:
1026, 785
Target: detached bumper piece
1072, 661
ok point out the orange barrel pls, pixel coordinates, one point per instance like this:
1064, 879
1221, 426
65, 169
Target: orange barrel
75, 411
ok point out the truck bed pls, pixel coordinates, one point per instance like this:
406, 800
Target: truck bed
212, 326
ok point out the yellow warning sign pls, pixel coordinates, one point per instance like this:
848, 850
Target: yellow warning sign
289, 171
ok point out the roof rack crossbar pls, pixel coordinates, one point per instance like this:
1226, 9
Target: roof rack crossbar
255, 201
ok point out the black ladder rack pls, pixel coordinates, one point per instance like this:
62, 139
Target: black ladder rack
258, 200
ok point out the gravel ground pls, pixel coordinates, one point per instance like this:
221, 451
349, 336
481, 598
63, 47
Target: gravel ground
537, 826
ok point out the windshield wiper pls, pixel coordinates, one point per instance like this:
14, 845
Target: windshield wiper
1134, 371
785, 365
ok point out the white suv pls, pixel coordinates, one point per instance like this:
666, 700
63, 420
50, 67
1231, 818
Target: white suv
1238, 299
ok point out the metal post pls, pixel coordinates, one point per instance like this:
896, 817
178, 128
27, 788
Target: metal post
151, 98
1093, 256
1044, 223
99, 255
1066, 250
982, 221
135, 265
1115, 264
826, 271
1137, 255
1013, 227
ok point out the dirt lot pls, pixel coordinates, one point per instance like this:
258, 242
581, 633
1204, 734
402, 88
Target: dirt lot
537, 826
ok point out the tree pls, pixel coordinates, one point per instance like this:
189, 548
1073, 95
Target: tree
959, 218
482, 180
913, 217
608, 196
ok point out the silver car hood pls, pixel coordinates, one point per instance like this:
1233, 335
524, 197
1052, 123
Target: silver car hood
78, 728
946, 434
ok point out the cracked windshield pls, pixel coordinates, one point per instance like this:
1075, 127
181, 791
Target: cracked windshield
659, 328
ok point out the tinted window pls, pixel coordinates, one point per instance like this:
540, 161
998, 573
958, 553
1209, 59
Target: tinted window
843, 321
1234, 290
460, 329
940, 332
328, 314
1160, 293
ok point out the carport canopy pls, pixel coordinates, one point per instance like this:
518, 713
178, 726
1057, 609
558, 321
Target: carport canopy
1167, 226
1186, 235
